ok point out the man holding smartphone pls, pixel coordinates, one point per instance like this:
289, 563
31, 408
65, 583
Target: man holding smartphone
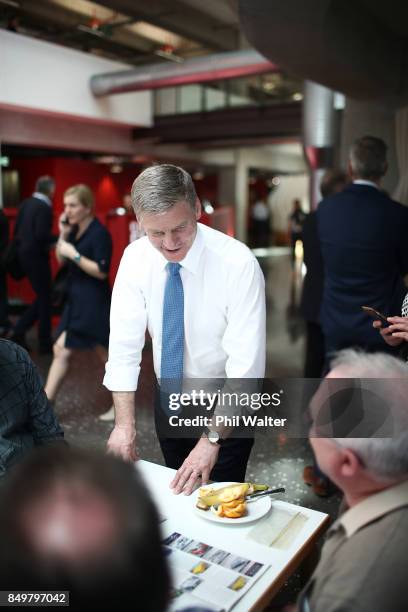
363, 236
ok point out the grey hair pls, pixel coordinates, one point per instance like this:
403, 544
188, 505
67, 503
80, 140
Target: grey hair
159, 188
45, 185
368, 157
369, 365
387, 458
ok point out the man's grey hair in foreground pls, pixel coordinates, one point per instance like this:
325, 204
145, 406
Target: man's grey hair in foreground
368, 158
386, 458
159, 188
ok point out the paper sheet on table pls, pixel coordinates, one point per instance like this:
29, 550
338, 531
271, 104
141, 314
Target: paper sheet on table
279, 529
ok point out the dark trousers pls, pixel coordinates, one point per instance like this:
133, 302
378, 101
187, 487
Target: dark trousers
4, 322
232, 458
315, 352
38, 272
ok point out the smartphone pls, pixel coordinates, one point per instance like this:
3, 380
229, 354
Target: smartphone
64, 221
376, 315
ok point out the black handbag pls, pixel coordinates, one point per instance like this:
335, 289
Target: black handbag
11, 260
59, 291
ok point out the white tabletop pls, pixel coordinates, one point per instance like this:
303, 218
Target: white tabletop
180, 514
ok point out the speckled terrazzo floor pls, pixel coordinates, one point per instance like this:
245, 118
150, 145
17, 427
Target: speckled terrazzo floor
82, 398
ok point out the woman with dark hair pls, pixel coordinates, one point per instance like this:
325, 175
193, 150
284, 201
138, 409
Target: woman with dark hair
85, 246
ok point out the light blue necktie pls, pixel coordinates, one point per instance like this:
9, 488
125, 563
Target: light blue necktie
172, 355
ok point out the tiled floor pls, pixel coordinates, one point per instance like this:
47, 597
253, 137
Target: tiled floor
278, 463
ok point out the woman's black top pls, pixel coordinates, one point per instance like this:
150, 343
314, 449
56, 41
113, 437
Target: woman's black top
85, 317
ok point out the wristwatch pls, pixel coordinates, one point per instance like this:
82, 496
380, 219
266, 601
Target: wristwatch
77, 257
213, 437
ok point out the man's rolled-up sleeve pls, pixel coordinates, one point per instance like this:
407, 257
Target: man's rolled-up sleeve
244, 338
128, 320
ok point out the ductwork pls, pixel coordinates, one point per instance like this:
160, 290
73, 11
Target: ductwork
318, 134
196, 70
346, 46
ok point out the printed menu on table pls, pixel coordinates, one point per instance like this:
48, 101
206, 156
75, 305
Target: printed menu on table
203, 575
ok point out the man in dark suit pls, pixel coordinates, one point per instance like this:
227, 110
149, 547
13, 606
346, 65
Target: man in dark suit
333, 181
33, 231
364, 242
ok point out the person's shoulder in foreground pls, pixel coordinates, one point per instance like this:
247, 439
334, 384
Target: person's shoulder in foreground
12, 353
26, 416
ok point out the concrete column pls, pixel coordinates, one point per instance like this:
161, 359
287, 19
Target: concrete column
226, 186
241, 195
371, 119
233, 191
318, 134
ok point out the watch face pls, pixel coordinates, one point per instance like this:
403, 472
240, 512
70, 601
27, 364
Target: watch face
213, 436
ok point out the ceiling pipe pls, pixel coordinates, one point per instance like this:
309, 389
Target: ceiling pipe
197, 70
319, 134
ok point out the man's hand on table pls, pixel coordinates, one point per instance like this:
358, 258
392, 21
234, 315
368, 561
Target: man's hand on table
122, 443
197, 466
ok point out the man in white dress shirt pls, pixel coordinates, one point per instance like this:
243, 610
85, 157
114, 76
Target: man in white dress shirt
224, 319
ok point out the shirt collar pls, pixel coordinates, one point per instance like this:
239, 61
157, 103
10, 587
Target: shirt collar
372, 508
366, 183
42, 196
192, 259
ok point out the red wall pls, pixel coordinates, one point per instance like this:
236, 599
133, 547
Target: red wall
108, 189
207, 188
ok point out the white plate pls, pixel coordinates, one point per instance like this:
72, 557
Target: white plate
255, 509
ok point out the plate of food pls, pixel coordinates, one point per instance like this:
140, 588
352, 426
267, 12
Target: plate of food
231, 502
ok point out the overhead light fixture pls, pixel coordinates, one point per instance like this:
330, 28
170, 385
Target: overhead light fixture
116, 168
4, 161
167, 52
105, 159
268, 86
276, 180
208, 207
297, 96
91, 30
198, 175
339, 101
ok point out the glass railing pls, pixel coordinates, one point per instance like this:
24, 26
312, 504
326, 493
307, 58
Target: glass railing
258, 90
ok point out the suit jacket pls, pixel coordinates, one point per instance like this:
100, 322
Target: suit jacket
33, 229
313, 282
364, 242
